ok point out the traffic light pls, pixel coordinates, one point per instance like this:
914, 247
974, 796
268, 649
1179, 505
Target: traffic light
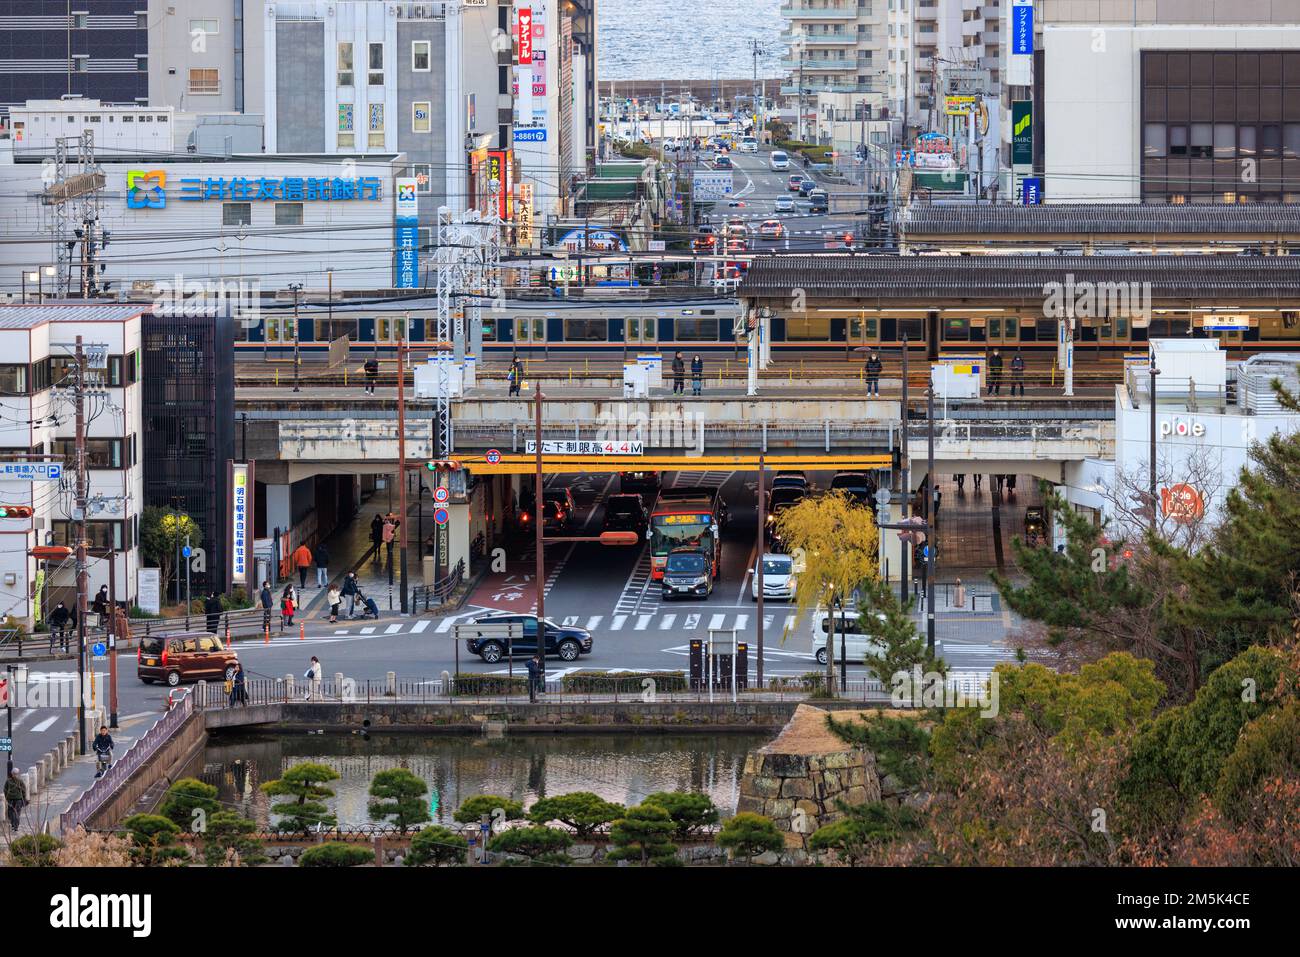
445, 464
15, 511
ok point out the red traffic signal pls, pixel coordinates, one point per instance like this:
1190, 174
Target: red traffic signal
15, 511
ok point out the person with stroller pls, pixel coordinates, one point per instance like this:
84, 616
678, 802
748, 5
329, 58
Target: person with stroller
103, 748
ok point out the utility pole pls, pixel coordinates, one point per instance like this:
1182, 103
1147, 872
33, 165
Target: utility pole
401, 459
1152, 467
932, 519
539, 510
906, 487
111, 637
762, 547
296, 287
80, 516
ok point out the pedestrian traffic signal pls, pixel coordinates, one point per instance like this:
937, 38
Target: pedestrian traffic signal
15, 511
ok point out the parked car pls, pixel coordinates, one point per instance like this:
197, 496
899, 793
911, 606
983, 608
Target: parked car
186, 657
563, 642
859, 639
626, 513
688, 574
771, 229
784, 204
779, 579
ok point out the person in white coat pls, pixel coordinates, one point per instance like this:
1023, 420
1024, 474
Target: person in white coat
313, 675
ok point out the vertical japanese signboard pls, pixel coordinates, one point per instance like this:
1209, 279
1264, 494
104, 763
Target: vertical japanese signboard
406, 267
525, 36
1020, 66
240, 539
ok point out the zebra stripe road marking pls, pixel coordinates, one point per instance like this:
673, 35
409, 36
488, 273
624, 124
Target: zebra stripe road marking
667, 622
641, 622
570, 621
617, 622
692, 622
420, 625
593, 621
716, 621
392, 629
367, 631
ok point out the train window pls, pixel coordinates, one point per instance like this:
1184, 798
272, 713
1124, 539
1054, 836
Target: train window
956, 330
807, 330
862, 329
1121, 328
279, 329
327, 330
389, 328
914, 329
697, 330
585, 330
640, 329
1046, 330
489, 325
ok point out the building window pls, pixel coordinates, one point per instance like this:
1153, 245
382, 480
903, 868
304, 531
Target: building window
1177, 141
423, 173
78, 66
13, 379
376, 126
376, 77
420, 121
419, 56
142, 21
347, 124
204, 81
142, 64
102, 535
345, 64
80, 20
100, 453
1225, 141
288, 214
203, 28
236, 214
1202, 141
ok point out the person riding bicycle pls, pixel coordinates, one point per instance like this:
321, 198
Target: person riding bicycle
103, 747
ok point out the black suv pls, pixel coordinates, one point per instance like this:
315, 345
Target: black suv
561, 642
625, 513
688, 572
857, 485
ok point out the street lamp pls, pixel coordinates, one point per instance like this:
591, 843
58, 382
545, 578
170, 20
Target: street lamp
296, 287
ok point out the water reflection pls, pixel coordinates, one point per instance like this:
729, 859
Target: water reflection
522, 767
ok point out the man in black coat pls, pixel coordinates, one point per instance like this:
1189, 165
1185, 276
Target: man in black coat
212, 607
874, 366
1018, 373
995, 373
679, 374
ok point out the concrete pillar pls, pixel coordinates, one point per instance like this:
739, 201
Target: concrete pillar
279, 507
30, 778
46, 768
390, 683
338, 684
458, 538
288, 685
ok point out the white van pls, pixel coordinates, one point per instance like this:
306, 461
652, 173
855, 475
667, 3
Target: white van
856, 644
749, 144
779, 160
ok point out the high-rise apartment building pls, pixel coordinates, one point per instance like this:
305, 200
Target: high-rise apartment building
835, 46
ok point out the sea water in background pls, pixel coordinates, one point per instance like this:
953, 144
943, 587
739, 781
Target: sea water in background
669, 40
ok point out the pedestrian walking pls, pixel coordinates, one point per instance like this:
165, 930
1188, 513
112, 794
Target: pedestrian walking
349, 591
679, 374
288, 605
334, 598
267, 601
697, 374
100, 605
377, 534
372, 373
390, 534
961, 482
532, 678
15, 798
1017, 372
313, 679
61, 619
874, 367
516, 374
238, 687
302, 561
321, 556
995, 373
212, 608
979, 479
938, 500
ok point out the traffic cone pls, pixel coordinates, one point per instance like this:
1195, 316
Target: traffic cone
302, 631
267, 632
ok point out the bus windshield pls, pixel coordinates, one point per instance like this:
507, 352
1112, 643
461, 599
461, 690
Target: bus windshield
673, 531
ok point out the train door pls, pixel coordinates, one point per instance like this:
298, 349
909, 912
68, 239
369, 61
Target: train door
932, 336
640, 330
530, 330
1002, 331
863, 330
393, 327
279, 329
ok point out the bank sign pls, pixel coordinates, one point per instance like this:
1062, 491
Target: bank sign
147, 189
406, 268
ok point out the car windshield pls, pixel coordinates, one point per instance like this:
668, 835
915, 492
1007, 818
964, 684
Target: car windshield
777, 566
785, 496
687, 564
664, 538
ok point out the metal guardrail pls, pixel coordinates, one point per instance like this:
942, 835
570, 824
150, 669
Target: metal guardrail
431, 597
144, 748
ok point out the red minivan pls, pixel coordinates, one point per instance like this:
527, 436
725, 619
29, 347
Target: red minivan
186, 657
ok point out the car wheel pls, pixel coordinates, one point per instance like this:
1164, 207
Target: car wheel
569, 651
173, 678
230, 674
821, 656
491, 652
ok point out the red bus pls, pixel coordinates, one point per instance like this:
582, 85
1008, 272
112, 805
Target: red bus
679, 520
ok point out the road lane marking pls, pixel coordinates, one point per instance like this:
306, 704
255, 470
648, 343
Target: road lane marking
667, 622
716, 621
641, 622
593, 621
392, 629
742, 622
36, 728
692, 622
420, 625
570, 621
617, 623
367, 631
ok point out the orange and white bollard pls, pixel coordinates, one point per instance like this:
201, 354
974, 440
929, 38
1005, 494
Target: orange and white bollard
267, 634
302, 631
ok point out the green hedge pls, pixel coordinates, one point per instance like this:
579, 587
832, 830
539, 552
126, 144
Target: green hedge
598, 682
492, 684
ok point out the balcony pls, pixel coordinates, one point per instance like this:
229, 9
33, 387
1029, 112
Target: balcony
821, 64
814, 86
834, 38
799, 11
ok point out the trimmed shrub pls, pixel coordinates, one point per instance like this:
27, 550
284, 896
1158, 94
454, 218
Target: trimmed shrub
336, 854
473, 809
748, 835
480, 684
436, 846
690, 812
399, 794
641, 836
34, 850
597, 682
184, 798
153, 839
583, 811
541, 845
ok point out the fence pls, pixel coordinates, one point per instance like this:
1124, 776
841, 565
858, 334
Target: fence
145, 747
432, 597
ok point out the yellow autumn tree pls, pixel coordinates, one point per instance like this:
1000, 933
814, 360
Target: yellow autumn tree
836, 543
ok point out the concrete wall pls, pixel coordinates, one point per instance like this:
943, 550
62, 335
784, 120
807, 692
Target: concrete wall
300, 87
160, 770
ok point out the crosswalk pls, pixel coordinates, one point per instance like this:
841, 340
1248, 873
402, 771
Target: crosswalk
637, 592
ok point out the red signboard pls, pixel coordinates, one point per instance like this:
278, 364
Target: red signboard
497, 169
1182, 503
525, 35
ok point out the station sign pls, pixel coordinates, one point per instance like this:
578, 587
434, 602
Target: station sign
572, 447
